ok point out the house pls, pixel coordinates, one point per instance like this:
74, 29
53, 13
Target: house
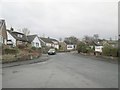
98, 49
49, 42
55, 43
46, 42
3, 33
16, 38
70, 46
34, 41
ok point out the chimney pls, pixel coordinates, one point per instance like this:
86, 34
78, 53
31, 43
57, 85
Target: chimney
11, 29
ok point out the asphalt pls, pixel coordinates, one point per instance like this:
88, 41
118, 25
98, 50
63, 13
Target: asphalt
64, 70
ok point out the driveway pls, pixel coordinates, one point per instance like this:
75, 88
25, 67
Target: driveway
64, 70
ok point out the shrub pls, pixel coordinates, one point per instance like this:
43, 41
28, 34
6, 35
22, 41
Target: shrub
82, 47
114, 52
21, 46
33, 48
11, 51
106, 50
110, 51
89, 50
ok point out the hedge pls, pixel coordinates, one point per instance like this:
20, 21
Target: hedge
110, 51
11, 51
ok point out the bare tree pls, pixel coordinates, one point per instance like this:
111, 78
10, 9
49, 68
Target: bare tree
26, 31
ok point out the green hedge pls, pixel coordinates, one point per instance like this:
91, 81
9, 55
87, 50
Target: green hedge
11, 51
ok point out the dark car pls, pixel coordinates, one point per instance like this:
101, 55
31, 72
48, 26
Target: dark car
51, 52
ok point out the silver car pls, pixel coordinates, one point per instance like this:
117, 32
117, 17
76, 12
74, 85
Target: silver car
51, 52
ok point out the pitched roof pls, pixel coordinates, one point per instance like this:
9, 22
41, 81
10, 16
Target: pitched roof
15, 35
31, 37
53, 39
67, 42
47, 40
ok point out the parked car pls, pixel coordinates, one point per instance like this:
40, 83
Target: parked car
51, 52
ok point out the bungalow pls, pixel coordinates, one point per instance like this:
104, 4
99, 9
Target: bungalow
55, 42
98, 47
49, 42
3, 33
70, 46
16, 38
46, 42
34, 41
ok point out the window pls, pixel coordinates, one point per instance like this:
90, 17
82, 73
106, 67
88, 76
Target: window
69, 46
19, 35
37, 44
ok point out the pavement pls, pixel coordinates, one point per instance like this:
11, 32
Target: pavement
63, 70
43, 58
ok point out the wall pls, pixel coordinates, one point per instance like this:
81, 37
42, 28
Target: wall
36, 40
56, 46
10, 37
48, 44
98, 48
70, 47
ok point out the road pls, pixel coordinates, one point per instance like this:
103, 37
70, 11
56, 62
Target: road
64, 70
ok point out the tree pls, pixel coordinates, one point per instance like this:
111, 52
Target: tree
88, 39
60, 39
26, 31
82, 47
96, 36
71, 40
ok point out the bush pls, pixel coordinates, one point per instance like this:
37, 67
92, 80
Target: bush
90, 50
11, 51
106, 50
82, 47
21, 46
33, 48
110, 51
114, 52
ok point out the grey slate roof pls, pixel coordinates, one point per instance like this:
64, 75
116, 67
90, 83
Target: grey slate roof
14, 34
46, 40
31, 37
53, 39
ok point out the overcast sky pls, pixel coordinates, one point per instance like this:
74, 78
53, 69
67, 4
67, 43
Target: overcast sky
63, 18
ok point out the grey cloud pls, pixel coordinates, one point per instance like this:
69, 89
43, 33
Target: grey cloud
63, 19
